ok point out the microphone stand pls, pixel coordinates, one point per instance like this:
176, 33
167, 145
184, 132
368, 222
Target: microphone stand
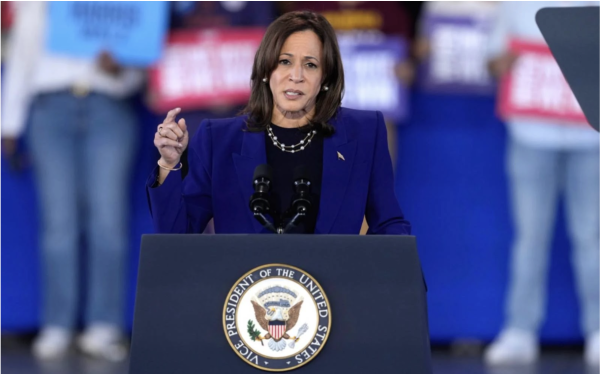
296, 219
301, 203
260, 204
264, 221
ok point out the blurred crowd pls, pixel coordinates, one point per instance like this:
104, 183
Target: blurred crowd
77, 121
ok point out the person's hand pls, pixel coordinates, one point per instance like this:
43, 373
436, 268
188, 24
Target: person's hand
9, 147
405, 72
502, 64
17, 161
171, 139
108, 64
422, 48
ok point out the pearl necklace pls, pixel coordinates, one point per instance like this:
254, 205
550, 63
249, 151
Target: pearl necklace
291, 148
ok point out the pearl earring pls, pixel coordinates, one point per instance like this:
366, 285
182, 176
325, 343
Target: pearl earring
265, 80
325, 88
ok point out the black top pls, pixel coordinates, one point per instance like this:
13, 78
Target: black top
283, 164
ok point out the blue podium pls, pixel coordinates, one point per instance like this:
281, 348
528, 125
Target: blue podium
374, 286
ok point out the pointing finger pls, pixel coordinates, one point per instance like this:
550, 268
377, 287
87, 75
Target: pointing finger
171, 115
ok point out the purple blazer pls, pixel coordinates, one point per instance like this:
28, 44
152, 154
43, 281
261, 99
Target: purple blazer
222, 159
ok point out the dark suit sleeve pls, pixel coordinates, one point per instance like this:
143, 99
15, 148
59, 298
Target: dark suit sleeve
185, 206
383, 212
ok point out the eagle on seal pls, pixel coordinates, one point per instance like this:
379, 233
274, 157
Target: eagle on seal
275, 311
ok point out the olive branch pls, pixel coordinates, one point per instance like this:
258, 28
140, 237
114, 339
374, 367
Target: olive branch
254, 333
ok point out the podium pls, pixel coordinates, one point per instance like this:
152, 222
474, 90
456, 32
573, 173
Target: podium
374, 285
572, 35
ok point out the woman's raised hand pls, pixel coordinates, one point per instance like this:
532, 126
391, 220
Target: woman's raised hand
171, 139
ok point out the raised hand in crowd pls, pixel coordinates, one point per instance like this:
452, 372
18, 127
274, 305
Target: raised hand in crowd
108, 64
502, 64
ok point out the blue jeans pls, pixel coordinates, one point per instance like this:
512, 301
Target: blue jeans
537, 176
82, 151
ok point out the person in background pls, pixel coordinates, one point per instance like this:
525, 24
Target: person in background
543, 158
82, 138
480, 9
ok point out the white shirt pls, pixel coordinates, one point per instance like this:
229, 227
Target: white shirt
32, 69
517, 19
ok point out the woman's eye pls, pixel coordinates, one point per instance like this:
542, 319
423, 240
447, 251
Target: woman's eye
284, 62
311, 65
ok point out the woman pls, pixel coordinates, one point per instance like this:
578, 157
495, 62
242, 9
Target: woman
293, 119
81, 131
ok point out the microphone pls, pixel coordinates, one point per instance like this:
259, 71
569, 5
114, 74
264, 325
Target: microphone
300, 201
259, 201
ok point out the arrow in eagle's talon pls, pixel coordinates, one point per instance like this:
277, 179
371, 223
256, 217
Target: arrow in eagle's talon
301, 332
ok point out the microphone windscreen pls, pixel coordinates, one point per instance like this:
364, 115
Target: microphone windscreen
301, 172
263, 171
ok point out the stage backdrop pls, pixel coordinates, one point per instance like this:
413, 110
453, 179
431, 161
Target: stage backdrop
450, 182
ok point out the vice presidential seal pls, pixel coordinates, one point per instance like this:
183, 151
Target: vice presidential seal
277, 317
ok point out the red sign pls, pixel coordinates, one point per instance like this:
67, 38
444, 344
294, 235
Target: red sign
536, 88
201, 69
7, 16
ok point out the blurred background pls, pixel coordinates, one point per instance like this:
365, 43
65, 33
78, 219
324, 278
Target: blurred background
425, 65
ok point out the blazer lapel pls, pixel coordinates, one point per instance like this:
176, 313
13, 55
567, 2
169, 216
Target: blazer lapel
338, 159
253, 154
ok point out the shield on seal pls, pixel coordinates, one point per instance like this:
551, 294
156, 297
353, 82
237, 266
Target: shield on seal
276, 329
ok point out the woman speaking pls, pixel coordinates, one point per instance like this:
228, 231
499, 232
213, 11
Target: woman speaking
332, 160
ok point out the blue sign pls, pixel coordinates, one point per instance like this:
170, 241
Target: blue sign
132, 31
457, 62
370, 78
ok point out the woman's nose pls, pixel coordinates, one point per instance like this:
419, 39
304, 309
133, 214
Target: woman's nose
296, 75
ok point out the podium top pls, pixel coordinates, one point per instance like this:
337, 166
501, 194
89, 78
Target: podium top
572, 35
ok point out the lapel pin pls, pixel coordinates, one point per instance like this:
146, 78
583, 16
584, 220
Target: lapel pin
341, 156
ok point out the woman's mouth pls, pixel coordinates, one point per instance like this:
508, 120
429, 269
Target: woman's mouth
293, 94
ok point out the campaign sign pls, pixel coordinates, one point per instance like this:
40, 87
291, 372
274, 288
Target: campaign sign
370, 79
201, 69
535, 88
132, 31
457, 61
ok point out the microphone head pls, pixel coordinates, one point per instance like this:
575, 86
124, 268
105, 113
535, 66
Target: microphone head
263, 171
301, 172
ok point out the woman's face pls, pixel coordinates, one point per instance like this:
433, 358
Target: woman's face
296, 81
